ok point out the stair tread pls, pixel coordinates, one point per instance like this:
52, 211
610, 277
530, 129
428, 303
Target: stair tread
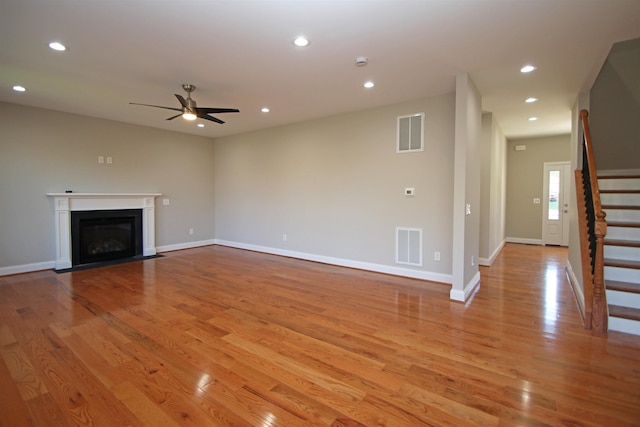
619, 191
615, 285
618, 176
624, 263
623, 207
621, 242
624, 312
623, 224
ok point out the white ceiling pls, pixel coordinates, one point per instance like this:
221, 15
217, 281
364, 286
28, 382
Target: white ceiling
239, 55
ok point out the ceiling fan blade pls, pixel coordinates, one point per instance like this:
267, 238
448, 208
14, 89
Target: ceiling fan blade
211, 118
183, 101
173, 117
206, 110
156, 106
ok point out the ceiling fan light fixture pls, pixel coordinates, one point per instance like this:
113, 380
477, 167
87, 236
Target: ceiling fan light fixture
188, 115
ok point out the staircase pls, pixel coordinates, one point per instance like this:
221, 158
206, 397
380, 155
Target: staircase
620, 195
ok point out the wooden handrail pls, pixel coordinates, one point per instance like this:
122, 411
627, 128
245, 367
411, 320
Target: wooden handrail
598, 230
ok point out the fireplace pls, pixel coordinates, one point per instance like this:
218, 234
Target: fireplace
105, 235
103, 213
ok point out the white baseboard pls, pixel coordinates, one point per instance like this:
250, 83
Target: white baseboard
186, 245
578, 291
488, 261
27, 268
360, 265
537, 242
469, 289
49, 265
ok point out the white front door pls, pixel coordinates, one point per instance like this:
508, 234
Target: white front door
555, 221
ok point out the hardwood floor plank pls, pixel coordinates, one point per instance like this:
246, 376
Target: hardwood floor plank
340, 389
215, 336
149, 413
22, 372
12, 397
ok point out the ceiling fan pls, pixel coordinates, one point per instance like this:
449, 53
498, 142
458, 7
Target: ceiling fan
190, 110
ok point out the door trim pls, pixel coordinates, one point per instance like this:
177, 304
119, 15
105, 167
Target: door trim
564, 190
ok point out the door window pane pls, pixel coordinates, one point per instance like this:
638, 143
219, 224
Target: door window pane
554, 192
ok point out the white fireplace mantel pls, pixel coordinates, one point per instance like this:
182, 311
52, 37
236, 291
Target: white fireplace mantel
64, 203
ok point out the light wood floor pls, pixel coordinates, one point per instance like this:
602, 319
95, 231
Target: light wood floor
219, 337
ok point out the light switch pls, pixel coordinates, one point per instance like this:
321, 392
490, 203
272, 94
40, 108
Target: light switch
468, 209
536, 200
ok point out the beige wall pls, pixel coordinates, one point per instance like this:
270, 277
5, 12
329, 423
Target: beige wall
335, 186
615, 109
493, 167
466, 225
525, 176
46, 151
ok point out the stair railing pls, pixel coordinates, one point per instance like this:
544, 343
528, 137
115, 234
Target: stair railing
593, 229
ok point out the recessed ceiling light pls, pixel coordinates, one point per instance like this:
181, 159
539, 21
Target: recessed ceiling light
533, 119
528, 68
530, 100
265, 110
369, 84
19, 88
301, 41
200, 125
57, 46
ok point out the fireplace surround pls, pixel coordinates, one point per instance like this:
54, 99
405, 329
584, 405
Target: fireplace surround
67, 203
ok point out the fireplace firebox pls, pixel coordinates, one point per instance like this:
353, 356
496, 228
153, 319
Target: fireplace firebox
105, 235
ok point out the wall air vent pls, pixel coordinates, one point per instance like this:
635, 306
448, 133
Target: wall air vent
409, 246
410, 133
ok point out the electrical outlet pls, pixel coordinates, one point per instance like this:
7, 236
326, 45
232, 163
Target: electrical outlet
166, 202
436, 256
284, 237
109, 160
191, 231
100, 159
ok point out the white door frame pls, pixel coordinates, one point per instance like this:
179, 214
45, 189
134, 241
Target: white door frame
563, 201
